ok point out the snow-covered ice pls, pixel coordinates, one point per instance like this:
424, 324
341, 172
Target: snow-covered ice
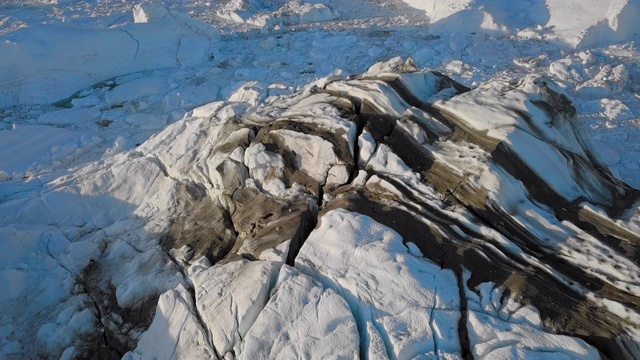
302, 320
366, 263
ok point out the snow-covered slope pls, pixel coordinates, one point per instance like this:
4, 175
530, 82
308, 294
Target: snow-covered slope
216, 185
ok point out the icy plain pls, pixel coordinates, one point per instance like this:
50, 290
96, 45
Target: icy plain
325, 179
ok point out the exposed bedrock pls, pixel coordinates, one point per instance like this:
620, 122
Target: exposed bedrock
394, 214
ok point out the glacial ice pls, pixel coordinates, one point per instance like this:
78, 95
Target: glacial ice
392, 214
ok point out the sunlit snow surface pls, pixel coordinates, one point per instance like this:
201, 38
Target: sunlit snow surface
205, 180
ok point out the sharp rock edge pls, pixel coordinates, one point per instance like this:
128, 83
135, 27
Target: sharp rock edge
394, 214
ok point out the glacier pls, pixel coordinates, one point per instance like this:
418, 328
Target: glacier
475, 221
269, 180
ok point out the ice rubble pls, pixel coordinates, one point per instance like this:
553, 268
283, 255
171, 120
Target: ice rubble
275, 12
365, 32
35, 142
408, 225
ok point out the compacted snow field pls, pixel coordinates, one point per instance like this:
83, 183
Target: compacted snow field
328, 179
